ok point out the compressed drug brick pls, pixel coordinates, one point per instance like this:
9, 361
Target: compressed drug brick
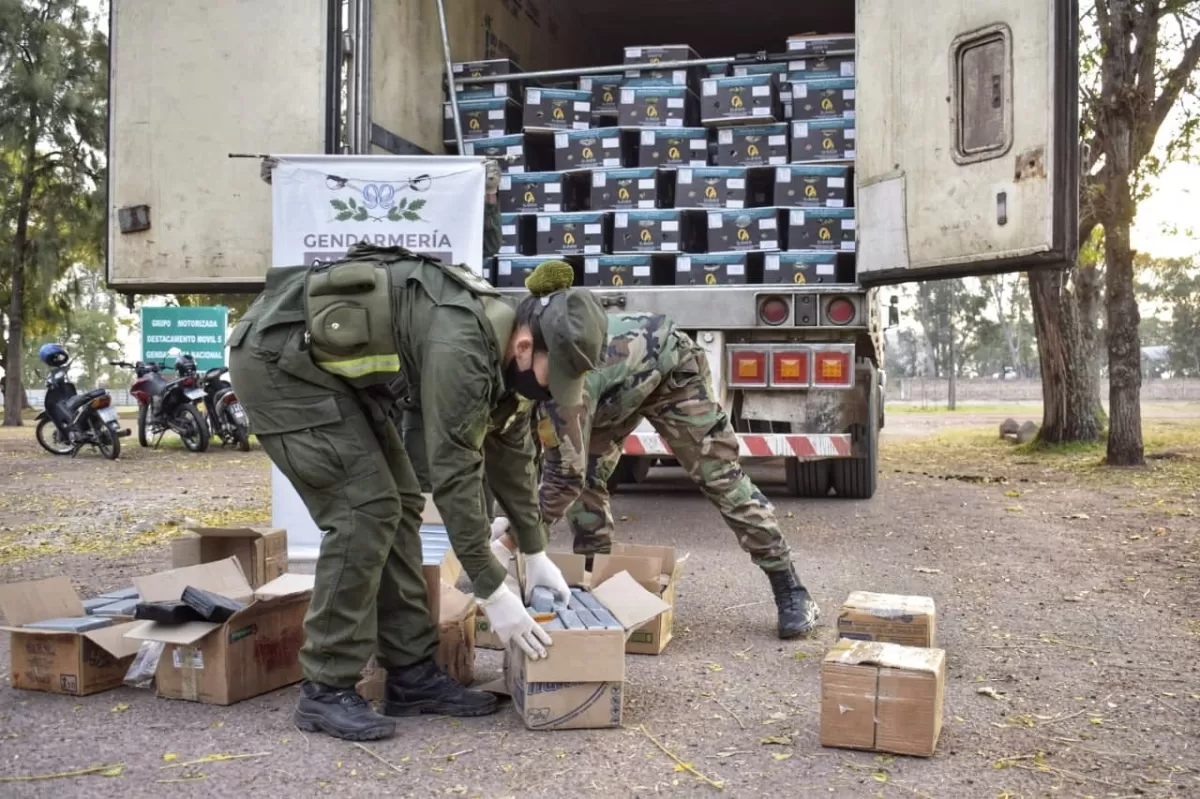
607, 620
586, 599
122, 607
90, 606
570, 620
553, 624
80, 624
124, 593
542, 599
167, 612
211, 607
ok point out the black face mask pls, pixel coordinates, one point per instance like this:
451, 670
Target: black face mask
525, 383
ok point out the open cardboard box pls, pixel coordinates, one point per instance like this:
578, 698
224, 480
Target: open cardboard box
262, 551
656, 569
256, 651
579, 684
61, 663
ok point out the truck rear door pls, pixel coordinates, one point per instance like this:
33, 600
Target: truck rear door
968, 137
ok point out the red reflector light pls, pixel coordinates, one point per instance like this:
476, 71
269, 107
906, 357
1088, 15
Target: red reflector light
187, 381
789, 367
833, 368
229, 399
840, 311
773, 310
747, 368
102, 402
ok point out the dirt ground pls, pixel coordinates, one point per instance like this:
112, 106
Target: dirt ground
1065, 589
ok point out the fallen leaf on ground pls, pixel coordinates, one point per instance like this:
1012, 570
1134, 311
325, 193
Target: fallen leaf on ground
880, 776
777, 740
170, 756
781, 755
926, 570
1080, 516
120, 708
991, 692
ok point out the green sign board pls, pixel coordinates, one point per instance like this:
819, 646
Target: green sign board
199, 332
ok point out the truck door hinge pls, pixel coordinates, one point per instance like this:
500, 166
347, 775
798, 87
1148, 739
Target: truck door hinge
347, 46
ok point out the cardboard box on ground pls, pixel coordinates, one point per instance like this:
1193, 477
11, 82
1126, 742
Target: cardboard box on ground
262, 551
883, 683
61, 662
254, 652
580, 682
656, 569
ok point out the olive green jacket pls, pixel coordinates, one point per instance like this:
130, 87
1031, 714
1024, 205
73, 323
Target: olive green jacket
451, 342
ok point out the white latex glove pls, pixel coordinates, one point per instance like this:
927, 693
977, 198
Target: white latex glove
540, 570
492, 176
499, 527
512, 621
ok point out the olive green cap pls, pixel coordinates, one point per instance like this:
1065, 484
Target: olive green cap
574, 326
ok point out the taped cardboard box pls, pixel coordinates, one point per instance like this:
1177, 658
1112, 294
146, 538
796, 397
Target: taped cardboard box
888, 618
456, 645
438, 562
882, 697
262, 551
656, 569
579, 684
254, 652
56, 662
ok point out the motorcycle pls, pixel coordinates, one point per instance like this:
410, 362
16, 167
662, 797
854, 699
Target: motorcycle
167, 405
226, 416
70, 420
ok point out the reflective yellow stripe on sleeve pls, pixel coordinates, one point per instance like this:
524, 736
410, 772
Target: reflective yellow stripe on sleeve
360, 367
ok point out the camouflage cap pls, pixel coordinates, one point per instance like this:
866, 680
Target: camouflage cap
574, 326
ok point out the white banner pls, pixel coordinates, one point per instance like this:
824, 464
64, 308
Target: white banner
323, 204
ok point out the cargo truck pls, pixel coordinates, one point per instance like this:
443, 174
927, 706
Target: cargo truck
757, 182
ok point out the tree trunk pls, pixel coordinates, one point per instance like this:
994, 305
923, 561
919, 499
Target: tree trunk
1125, 446
1087, 289
1070, 400
14, 395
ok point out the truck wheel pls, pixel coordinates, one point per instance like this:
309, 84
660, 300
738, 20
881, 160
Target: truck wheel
807, 479
856, 478
630, 469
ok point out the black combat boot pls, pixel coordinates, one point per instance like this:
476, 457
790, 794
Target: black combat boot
424, 688
339, 712
798, 613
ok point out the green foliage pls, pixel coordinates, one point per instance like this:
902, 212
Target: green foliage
53, 93
1173, 284
404, 210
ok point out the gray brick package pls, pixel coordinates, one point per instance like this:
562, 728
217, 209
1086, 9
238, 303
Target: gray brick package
81, 624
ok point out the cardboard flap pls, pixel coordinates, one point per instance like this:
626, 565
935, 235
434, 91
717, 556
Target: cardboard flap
224, 577
572, 566
891, 656
39, 600
286, 585
113, 641
630, 603
646, 570
430, 514
664, 555
455, 605
233, 532
186, 634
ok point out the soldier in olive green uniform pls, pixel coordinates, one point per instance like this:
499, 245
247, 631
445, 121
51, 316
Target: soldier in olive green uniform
653, 370
320, 360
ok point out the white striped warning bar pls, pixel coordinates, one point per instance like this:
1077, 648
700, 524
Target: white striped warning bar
756, 445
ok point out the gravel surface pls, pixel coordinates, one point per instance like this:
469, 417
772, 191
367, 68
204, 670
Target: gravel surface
1073, 600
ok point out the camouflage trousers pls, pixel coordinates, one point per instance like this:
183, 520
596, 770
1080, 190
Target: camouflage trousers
689, 418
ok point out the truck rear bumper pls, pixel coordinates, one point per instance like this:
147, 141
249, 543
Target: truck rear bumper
756, 445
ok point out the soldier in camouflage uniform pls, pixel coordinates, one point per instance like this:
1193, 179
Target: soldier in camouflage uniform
655, 371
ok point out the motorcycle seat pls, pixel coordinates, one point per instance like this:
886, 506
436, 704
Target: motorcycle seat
79, 400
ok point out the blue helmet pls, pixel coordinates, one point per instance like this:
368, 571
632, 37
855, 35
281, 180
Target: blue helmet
53, 355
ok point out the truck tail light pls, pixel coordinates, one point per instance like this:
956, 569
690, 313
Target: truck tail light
840, 309
747, 366
833, 367
790, 366
773, 310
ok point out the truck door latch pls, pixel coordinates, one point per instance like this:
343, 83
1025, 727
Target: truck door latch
612, 300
